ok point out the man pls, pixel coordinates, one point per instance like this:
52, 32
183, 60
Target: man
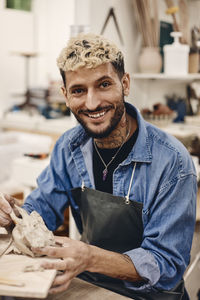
131, 187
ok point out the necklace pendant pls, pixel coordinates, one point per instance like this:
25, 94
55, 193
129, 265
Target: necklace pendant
105, 172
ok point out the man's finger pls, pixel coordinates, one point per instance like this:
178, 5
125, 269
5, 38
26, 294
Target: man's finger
10, 199
55, 265
56, 252
62, 279
60, 288
4, 220
4, 204
61, 240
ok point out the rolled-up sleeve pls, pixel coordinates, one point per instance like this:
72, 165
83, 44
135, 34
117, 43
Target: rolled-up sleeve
146, 266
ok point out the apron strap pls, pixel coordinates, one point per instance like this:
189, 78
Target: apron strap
127, 201
82, 185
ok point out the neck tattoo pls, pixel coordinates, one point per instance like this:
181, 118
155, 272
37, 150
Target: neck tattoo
105, 171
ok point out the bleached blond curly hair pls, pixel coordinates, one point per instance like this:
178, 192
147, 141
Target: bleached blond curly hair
89, 50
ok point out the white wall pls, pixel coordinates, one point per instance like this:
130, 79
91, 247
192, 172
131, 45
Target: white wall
45, 30
16, 35
52, 30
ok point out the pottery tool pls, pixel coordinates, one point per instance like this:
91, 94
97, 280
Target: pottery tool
111, 14
146, 15
11, 282
184, 21
172, 10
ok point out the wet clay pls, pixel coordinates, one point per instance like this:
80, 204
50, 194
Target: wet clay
29, 231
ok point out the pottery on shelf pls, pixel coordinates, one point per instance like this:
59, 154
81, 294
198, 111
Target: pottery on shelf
150, 60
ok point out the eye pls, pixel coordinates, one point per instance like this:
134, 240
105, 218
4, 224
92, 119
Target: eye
105, 84
77, 91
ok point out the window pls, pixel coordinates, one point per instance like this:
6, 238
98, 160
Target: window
19, 4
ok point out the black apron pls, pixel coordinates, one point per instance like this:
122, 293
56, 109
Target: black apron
115, 223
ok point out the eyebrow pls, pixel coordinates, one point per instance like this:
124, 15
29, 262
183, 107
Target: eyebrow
75, 86
103, 78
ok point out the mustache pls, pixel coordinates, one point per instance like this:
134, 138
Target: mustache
98, 109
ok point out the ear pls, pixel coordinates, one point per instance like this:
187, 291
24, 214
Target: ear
126, 84
63, 90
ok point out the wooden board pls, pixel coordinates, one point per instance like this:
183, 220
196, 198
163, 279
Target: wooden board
35, 284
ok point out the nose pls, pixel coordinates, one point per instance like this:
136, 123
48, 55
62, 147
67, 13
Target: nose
92, 100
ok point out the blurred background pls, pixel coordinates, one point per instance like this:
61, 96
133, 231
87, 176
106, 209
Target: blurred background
160, 41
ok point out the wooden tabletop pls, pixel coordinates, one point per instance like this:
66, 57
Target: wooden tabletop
80, 289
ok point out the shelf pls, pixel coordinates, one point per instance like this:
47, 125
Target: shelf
162, 76
37, 123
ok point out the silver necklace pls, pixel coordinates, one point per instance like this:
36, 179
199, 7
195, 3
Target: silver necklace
105, 171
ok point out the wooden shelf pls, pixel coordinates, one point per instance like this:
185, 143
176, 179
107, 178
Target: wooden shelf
162, 76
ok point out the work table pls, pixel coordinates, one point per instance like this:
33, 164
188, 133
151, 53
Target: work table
80, 289
83, 290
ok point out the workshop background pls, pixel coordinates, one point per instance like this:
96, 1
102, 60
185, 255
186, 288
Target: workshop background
165, 81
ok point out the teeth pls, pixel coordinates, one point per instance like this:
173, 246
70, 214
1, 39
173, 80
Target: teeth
97, 115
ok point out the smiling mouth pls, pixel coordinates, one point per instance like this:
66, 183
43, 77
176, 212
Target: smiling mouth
96, 114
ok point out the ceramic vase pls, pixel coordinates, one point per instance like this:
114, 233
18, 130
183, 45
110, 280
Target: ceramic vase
193, 62
150, 60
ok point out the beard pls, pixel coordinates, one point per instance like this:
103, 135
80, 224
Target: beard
119, 111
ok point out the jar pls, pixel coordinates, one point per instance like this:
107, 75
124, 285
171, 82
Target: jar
150, 60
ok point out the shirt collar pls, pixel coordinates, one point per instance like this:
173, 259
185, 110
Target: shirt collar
141, 151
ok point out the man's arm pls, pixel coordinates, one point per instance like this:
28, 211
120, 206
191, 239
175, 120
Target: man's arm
112, 264
78, 257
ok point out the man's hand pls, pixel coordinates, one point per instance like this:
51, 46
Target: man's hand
75, 259
6, 205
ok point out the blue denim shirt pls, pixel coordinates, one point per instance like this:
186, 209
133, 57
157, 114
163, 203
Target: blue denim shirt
164, 181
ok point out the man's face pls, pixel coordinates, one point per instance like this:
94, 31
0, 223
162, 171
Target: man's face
96, 98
